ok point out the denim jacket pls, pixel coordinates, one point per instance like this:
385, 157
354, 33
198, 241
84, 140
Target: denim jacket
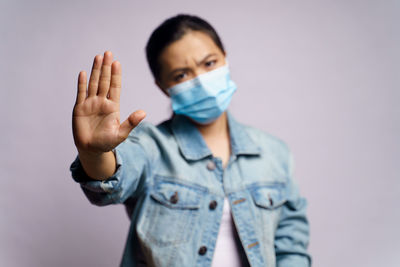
174, 189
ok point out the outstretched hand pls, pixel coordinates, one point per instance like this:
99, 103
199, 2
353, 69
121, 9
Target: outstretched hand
96, 114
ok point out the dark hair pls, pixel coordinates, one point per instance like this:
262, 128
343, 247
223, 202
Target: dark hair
172, 30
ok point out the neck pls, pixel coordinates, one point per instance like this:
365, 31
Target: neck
215, 129
216, 136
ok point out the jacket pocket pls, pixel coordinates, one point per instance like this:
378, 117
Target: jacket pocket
269, 196
170, 212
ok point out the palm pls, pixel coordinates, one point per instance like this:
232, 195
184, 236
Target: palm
97, 123
96, 117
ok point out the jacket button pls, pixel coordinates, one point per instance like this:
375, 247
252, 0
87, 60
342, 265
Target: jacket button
211, 165
213, 205
174, 198
271, 202
202, 250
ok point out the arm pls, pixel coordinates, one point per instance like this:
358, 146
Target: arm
292, 234
132, 168
97, 131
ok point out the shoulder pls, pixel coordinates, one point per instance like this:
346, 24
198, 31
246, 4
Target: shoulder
147, 130
149, 135
267, 142
146, 138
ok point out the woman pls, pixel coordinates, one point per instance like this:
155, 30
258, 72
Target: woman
201, 189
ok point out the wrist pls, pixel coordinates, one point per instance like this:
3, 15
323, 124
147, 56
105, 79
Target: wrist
98, 166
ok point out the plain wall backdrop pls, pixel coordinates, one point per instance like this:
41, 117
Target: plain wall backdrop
322, 75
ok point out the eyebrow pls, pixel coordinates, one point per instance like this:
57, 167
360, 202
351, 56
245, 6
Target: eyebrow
198, 63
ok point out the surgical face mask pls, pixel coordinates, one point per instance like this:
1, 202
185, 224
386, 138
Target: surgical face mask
205, 97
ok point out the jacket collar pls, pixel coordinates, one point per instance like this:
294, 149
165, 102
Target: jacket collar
193, 146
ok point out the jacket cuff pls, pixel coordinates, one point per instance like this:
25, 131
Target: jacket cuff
109, 185
293, 260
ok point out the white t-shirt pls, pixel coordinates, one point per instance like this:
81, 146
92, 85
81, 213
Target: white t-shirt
226, 250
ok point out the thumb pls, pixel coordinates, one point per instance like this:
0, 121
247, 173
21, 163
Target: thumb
131, 122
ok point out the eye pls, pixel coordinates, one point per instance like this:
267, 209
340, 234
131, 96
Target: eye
210, 63
179, 77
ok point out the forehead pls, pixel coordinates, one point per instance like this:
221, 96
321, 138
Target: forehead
193, 46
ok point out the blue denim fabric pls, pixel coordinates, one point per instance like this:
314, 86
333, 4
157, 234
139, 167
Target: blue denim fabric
166, 177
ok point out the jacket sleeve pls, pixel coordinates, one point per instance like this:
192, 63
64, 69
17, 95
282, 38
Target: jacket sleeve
292, 234
132, 170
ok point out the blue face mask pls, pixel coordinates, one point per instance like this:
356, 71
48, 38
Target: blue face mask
205, 97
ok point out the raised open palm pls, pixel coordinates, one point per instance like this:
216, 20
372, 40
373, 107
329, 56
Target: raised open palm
96, 115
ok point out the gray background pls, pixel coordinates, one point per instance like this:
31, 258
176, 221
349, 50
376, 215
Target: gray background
321, 75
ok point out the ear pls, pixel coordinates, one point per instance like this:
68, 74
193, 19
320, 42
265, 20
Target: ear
161, 87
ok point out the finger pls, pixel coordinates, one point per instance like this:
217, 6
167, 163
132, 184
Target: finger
94, 76
131, 122
105, 75
115, 89
81, 95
